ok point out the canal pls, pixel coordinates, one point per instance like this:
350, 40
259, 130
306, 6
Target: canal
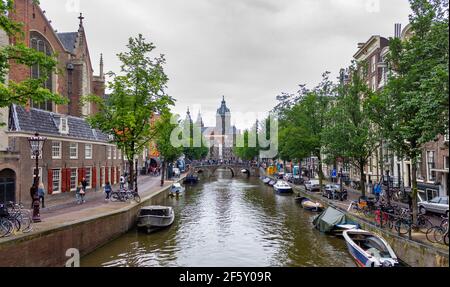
227, 222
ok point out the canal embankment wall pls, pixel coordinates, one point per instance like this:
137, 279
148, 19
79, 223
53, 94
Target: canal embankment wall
48, 248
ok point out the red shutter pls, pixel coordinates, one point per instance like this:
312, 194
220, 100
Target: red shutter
69, 173
63, 180
80, 175
50, 181
117, 175
106, 175
94, 177
112, 175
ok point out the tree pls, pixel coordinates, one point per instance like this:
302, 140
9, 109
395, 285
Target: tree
413, 107
248, 148
32, 89
350, 134
194, 148
164, 129
136, 96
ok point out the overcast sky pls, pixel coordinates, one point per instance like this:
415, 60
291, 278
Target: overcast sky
247, 50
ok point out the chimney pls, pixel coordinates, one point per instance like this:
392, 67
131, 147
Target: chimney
398, 31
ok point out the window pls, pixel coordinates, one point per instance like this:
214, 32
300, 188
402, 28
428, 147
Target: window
73, 179
39, 43
446, 162
115, 153
56, 181
56, 150
120, 154
431, 164
374, 63
102, 176
109, 151
446, 137
89, 176
64, 126
88, 151
73, 151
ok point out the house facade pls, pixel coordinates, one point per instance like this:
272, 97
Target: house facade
73, 149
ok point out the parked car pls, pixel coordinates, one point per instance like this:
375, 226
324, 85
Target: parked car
312, 185
436, 205
288, 177
330, 190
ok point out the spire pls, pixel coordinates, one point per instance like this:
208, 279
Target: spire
102, 75
81, 20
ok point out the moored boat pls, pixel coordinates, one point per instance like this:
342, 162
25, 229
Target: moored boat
191, 179
266, 180
176, 189
283, 187
333, 221
153, 218
272, 182
310, 205
370, 250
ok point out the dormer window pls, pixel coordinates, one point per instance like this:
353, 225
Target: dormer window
63, 126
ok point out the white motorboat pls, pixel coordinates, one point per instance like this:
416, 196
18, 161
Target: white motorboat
153, 218
177, 189
283, 187
370, 250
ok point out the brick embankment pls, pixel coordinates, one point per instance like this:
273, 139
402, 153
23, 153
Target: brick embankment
86, 228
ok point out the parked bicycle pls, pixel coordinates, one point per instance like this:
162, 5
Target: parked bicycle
439, 233
125, 195
14, 218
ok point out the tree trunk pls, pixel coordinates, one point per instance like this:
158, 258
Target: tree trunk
414, 189
163, 172
362, 179
131, 175
321, 175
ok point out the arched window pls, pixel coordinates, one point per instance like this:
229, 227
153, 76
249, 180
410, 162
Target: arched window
39, 43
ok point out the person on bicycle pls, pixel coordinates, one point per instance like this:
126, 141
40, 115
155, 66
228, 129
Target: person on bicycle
108, 190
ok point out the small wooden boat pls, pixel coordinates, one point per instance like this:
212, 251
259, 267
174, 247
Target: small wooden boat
333, 221
370, 250
153, 218
310, 205
176, 190
283, 187
191, 179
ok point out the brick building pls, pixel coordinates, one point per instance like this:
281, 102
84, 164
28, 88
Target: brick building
73, 149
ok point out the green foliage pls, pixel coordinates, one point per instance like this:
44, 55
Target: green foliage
413, 108
164, 128
136, 95
30, 89
195, 148
248, 149
350, 134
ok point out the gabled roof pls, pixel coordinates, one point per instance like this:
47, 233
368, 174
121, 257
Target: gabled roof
47, 123
69, 40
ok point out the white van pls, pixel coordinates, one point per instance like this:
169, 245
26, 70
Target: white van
312, 185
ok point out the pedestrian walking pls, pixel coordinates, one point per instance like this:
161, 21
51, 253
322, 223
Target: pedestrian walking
108, 190
41, 193
80, 194
122, 181
84, 184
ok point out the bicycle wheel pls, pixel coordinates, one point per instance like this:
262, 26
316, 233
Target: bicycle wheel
6, 227
402, 226
423, 224
439, 235
115, 197
430, 234
137, 198
26, 222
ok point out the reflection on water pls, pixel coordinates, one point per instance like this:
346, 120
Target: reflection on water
228, 222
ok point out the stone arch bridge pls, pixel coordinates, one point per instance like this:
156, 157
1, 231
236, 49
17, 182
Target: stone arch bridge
236, 170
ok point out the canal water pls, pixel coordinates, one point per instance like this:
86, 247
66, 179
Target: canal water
228, 222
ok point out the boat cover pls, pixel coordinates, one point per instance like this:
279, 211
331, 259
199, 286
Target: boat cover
330, 219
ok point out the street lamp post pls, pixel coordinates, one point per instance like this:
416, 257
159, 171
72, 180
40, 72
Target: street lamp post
36, 145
